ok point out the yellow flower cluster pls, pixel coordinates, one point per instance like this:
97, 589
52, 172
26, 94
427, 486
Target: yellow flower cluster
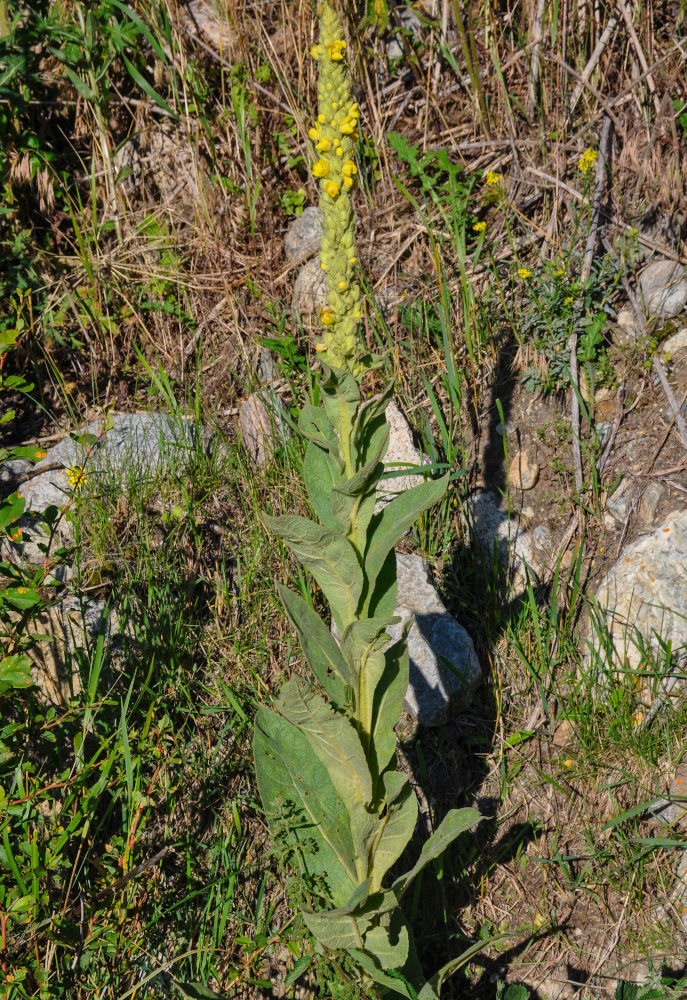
333, 137
479, 227
491, 178
77, 477
587, 161
524, 273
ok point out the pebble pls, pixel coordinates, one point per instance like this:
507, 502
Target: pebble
664, 288
523, 472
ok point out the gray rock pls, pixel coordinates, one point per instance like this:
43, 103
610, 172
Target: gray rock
664, 288
678, 342
304, 235
401, 451
444, 669
13, 470
309, 289
519, 549
263, 425
672, 811
645, 593
137, 445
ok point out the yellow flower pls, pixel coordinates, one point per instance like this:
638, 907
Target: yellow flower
77, 477
479, 227
314, 134
569, 762
339, 151
336, 50
559, 271
332, 188
354, 111
321, 119
569, 300
349, 168
587, 161
342, 285
492, 178
327, 316
347, 127
524, 273
348, 182
321, 168
320, 347
317, 52
324, 145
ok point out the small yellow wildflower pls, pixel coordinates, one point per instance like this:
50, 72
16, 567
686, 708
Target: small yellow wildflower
323, 145
354, 260
336, 50
348, 182
342, 285
332, 189
354, 111
569, 300
347, 127
314, 134
492, 178
349, 168
587, 161
524, 273
317, 51
339, 151
77, 477
559, 271
321, 168
568, 763
479, 227
327, 316
321, 119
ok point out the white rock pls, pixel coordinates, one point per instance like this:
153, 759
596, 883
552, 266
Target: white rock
678, 342
627, 332
664, 288
645, 592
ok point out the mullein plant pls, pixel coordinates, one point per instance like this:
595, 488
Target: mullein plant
340, 812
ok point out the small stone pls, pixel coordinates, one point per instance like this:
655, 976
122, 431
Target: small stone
649, 504
672, 810
523, 472
309, 290
262, 425
304, 235
678, 342
516, 547
626, 332
564, 732
618, 504
664, 288
410, 24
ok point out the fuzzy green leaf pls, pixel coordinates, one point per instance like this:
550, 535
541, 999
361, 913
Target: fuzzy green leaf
454, 823
321, 476
319, 646
333, 739
329, 557
314, 424
398, 827
390, 954
388, 703
391, 523
343, 927
303, 810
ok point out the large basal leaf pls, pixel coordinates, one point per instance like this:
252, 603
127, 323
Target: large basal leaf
319, 646
321, 475
333, 740
454, 823
302, 807
330, 558
394, 985
391, 524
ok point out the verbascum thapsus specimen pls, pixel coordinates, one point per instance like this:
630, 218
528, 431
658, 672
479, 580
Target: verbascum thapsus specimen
334, 135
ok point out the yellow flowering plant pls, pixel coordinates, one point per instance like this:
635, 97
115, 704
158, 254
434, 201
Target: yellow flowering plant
339, 810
